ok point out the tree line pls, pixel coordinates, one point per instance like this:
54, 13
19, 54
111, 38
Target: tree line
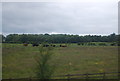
57, 38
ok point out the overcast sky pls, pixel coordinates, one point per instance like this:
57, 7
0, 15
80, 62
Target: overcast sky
60, 17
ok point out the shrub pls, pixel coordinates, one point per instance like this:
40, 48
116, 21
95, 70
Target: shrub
102, 44
44, 69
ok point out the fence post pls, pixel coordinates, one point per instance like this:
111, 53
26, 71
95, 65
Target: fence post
10, 79
68, 77
30, 79
104, 75
87, 76
118, 75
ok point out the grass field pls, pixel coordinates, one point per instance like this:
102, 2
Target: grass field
19, 61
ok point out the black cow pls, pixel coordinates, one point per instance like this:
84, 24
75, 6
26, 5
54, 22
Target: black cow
113, 44
35, 45
46, 45
53, 45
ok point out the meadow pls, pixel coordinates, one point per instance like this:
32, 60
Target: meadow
18, 61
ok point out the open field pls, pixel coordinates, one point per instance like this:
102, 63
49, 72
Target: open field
19, 61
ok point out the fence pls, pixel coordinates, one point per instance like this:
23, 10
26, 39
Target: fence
105, 75
69, 77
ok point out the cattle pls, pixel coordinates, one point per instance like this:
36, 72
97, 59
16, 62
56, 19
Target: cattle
46, 45
25, 44
35, 45
53, 45
63, 46
80, 43
113, 44
118, 43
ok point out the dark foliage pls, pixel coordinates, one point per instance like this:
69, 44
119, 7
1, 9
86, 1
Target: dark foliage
58, 38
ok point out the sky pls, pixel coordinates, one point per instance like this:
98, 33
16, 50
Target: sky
70, 17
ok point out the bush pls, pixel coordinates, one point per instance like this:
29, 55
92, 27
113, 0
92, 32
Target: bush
102, 44
44, 69
91, 44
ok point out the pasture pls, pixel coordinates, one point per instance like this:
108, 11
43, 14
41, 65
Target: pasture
19, 61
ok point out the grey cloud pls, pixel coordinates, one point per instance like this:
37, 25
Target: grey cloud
77, 18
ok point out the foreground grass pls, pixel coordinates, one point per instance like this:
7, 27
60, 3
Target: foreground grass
19, 61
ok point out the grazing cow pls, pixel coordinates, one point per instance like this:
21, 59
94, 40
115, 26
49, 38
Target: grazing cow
35, 45
46, 45
53, 45
118, 43
113, 44
80, 43
25, 44
63, 46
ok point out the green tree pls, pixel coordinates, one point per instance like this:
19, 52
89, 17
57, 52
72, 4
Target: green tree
2, 38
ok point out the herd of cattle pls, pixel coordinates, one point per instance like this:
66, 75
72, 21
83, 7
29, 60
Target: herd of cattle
100, 44
64, 45
45, 45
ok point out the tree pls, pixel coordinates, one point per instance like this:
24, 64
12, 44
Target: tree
112, 37
24, 38
2, 38
58, 38
12, 38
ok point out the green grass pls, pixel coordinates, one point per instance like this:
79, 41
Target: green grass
19, 61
